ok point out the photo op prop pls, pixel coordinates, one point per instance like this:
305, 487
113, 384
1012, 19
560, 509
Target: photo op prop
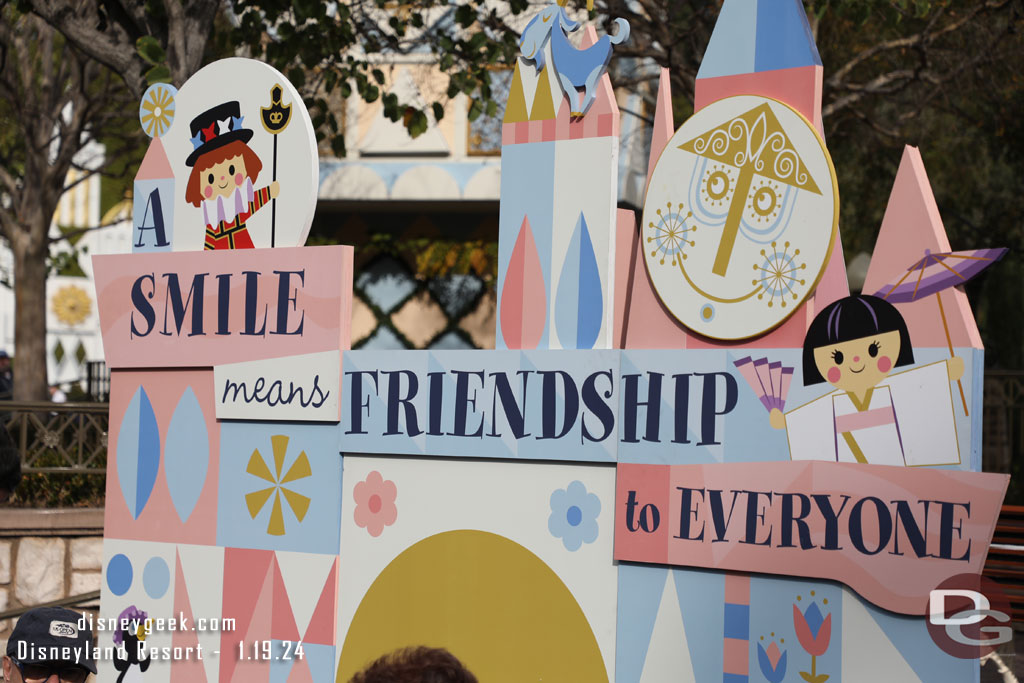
694, 455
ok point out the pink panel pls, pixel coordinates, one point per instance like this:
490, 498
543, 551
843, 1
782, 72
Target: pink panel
799, 87
155, 165
186, 668
248, 598
133, 290
882, 566
737, 588
321, 629
910, 226
300, 672
664, 126
159, 521
283, 621
625, 243
736, 656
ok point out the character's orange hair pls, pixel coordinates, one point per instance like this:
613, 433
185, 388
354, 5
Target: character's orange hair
216, 156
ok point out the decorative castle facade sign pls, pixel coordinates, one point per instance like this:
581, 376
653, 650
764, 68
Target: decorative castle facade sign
620, 492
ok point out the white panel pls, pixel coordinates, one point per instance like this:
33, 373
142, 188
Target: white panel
296, 388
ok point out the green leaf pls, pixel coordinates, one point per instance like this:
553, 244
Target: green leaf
475, 110
149, 49
417, 124
438, 111
158, 74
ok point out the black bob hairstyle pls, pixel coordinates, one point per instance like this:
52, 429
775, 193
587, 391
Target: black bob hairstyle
849, 318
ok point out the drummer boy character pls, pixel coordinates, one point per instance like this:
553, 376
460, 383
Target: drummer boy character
223, 170
873, 416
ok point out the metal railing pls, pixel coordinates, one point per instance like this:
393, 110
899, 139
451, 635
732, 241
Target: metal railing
58, 438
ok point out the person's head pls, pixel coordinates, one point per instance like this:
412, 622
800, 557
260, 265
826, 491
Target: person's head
853, 343
416, 665
10, 465
5, 360
49, 644
219, 172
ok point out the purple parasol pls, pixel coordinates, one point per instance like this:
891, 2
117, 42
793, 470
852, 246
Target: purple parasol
939, 271
936, 272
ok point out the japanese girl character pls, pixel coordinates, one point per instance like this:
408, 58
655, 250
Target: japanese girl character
873, 416
223, 170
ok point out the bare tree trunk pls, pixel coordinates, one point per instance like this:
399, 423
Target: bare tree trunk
30, 382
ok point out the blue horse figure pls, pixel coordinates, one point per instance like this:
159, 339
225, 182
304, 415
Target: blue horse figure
575, 69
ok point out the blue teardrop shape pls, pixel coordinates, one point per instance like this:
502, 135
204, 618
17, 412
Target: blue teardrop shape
579, 309
186, 454
138, 452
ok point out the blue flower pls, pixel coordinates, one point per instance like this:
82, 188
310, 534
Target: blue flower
772, 662
574, 514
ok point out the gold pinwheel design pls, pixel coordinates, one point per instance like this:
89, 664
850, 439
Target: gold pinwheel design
258, 467
157, 110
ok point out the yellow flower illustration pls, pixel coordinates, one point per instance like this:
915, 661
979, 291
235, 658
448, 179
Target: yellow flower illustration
157, 110
71, 305
256, 500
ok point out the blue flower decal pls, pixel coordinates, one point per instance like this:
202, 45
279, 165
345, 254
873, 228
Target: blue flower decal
574, 514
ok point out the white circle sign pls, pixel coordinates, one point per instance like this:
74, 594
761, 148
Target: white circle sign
242, 153
740, 217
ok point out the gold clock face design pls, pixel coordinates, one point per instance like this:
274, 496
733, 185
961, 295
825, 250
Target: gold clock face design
740, 217
71, 305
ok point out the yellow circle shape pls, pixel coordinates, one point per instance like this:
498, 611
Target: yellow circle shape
488, 600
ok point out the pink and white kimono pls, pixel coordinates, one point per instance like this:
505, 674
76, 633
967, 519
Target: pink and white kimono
907, 420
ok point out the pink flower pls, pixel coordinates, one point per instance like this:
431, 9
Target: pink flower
813, 631
375, 503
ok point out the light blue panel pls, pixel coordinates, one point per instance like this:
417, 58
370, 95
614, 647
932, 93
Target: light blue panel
153, 215
321, 661
910, 636
731, 48
743, 434
186, 454
383, 381
462, 407
640, 589
701, 594
974, 376
771, 611
784, 38
588, 386
527, 189
320, 529
466, 379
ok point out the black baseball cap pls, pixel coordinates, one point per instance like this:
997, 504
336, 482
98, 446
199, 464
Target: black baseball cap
52, 635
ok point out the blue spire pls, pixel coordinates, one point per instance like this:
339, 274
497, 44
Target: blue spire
759, 35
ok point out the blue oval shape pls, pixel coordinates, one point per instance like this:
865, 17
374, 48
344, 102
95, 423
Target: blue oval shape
138, 452
186, 454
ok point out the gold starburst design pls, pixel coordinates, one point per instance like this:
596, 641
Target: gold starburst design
157, 110
71, 305
258, 467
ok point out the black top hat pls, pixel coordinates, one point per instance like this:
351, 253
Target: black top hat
52, 635
206, 130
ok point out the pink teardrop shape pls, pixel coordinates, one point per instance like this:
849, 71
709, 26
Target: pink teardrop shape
524, 302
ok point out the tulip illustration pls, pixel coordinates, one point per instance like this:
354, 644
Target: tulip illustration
814, 631
772, 662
